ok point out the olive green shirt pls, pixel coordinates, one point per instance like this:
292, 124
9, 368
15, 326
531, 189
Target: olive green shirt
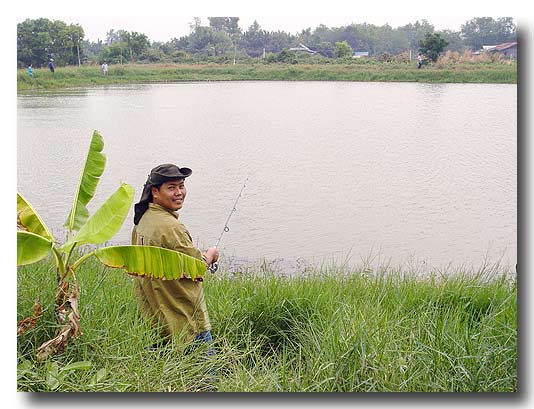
178, 305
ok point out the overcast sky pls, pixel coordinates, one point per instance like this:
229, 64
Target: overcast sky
162, 20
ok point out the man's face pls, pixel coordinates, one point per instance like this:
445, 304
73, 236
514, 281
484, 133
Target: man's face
170, 195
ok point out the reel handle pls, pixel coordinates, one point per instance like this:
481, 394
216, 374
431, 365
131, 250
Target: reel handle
213, 267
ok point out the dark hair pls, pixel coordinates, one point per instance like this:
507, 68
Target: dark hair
158, 185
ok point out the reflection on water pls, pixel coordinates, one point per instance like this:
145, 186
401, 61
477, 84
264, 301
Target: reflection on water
417, 173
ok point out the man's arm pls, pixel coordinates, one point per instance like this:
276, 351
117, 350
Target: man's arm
179, 239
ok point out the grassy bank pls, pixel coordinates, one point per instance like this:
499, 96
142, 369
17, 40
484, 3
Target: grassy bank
393, 72
326, 332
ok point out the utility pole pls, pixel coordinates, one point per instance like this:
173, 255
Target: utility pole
235, 51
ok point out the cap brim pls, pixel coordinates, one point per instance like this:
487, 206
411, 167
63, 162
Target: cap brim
186, 172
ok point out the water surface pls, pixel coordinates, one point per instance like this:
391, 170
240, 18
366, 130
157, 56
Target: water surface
408, 173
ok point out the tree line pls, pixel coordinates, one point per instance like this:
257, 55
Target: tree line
222, 40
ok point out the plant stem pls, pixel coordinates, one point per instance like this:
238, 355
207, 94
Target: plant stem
70, 253
59, 264
81, 260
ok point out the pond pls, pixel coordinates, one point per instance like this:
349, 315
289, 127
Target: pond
404, 173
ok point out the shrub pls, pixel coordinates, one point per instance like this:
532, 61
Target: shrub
118, 70
385, 57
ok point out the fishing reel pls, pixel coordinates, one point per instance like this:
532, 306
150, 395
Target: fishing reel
213, 267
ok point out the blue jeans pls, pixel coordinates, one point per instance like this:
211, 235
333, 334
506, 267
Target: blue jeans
205, 336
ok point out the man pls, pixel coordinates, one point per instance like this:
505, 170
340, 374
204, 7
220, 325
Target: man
179, 305
105, 68
420, 59
51, 65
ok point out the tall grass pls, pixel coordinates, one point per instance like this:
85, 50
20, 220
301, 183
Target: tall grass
328, 331
461, 71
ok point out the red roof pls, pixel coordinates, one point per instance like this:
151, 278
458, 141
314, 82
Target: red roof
504, 46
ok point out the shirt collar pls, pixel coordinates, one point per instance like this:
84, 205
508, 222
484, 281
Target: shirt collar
158, 207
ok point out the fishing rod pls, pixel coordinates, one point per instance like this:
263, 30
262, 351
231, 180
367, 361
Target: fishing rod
214, 266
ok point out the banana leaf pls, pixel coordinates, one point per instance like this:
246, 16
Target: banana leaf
31, 247
89, 178
152, 262
29, 220
106, 221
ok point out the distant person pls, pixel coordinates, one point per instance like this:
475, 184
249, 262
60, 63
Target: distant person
30, 70
51, 66
105, 68
420, 59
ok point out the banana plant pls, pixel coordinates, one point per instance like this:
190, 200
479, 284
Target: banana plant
35, 242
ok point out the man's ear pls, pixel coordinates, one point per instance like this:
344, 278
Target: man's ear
154, 190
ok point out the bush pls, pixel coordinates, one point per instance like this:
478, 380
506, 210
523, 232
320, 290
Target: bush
118, 70
402, 57
385, 57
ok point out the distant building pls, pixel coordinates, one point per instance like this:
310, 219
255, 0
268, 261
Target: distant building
302, 47
360, 54
508, 50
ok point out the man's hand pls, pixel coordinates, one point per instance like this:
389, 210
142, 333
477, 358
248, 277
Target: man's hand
212, 255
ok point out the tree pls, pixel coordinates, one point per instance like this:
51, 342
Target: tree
206, 40
112, 37
486, 31
416, 32
229, 25
254, 40
221, 42
432, 46
454, 40
342, 49
325, 48
138, 44
92, 51
35, 242
276, 41
124, 46
321, 34
389, 42
116, 52
41, 39
75, 36
369, 35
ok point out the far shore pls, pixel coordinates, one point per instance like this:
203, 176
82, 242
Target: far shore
86, 76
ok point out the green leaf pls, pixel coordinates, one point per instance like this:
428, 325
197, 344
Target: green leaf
31, 247
106, 221
80, 365
52, 376
89, 178
23, 368
99, 376
153, 262
29, 219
